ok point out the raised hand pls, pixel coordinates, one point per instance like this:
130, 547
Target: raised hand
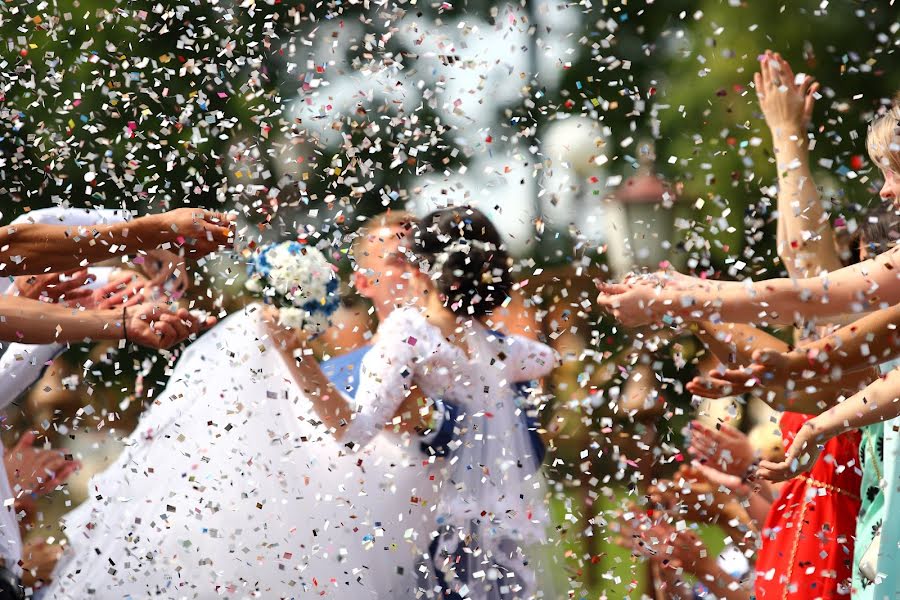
799, 458
34, 471
786, 103
156, 326
725, 448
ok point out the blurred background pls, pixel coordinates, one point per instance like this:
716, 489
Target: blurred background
598, 135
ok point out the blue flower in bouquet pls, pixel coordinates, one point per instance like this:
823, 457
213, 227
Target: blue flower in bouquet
299, 280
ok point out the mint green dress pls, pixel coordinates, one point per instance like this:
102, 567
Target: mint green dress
879, 451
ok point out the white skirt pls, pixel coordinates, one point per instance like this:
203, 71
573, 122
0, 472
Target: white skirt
230, 488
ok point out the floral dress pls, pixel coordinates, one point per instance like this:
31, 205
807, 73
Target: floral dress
879, 498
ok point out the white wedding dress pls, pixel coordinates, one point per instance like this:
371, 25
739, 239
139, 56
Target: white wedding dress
231, 488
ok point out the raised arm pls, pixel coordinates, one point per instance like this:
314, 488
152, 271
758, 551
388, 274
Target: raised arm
34, 248
805, 238
385, 396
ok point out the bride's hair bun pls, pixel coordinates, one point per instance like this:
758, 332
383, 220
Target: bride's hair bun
467, 259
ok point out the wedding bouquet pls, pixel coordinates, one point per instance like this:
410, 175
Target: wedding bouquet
299, 280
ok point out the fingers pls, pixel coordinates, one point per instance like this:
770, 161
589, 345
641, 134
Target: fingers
216, 233
26, 440
707, 387
775, 472
62, 475
809, 100
785, 67
764, 74
776, 76
605, 287
77, 280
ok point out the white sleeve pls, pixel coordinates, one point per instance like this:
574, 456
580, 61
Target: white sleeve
79, 217
21, 366
386, 374
527, 359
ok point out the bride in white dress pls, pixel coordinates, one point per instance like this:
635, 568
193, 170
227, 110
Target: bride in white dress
251, 478
230, 487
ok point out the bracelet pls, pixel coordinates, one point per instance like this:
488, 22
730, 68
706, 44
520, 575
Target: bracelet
124, 323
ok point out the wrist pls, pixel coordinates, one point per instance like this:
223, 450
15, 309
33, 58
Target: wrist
825, 426
111, 324
788, 132
151, 230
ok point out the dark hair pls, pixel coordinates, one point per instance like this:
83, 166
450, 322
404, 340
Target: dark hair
468, 261
879, 231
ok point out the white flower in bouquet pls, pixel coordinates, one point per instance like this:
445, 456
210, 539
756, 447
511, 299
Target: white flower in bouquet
300, 281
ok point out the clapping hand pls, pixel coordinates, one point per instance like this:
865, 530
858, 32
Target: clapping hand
785, 103
156, 326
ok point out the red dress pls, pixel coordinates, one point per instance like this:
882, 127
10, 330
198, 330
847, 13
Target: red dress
807, 541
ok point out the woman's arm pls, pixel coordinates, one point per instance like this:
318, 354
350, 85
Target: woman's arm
868, 342
805, 237
34, 248
863, 287
334, 409
878, 402
153, 325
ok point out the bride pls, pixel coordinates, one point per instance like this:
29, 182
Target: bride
232, 488
251, 477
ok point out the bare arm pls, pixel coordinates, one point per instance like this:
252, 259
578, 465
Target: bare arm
333, 407
34, 248
734, 343
33, 322
878, 402
805, 237
866, 286
866, 343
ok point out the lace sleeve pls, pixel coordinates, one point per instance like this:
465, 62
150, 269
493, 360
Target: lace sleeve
527, 359
387, 372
